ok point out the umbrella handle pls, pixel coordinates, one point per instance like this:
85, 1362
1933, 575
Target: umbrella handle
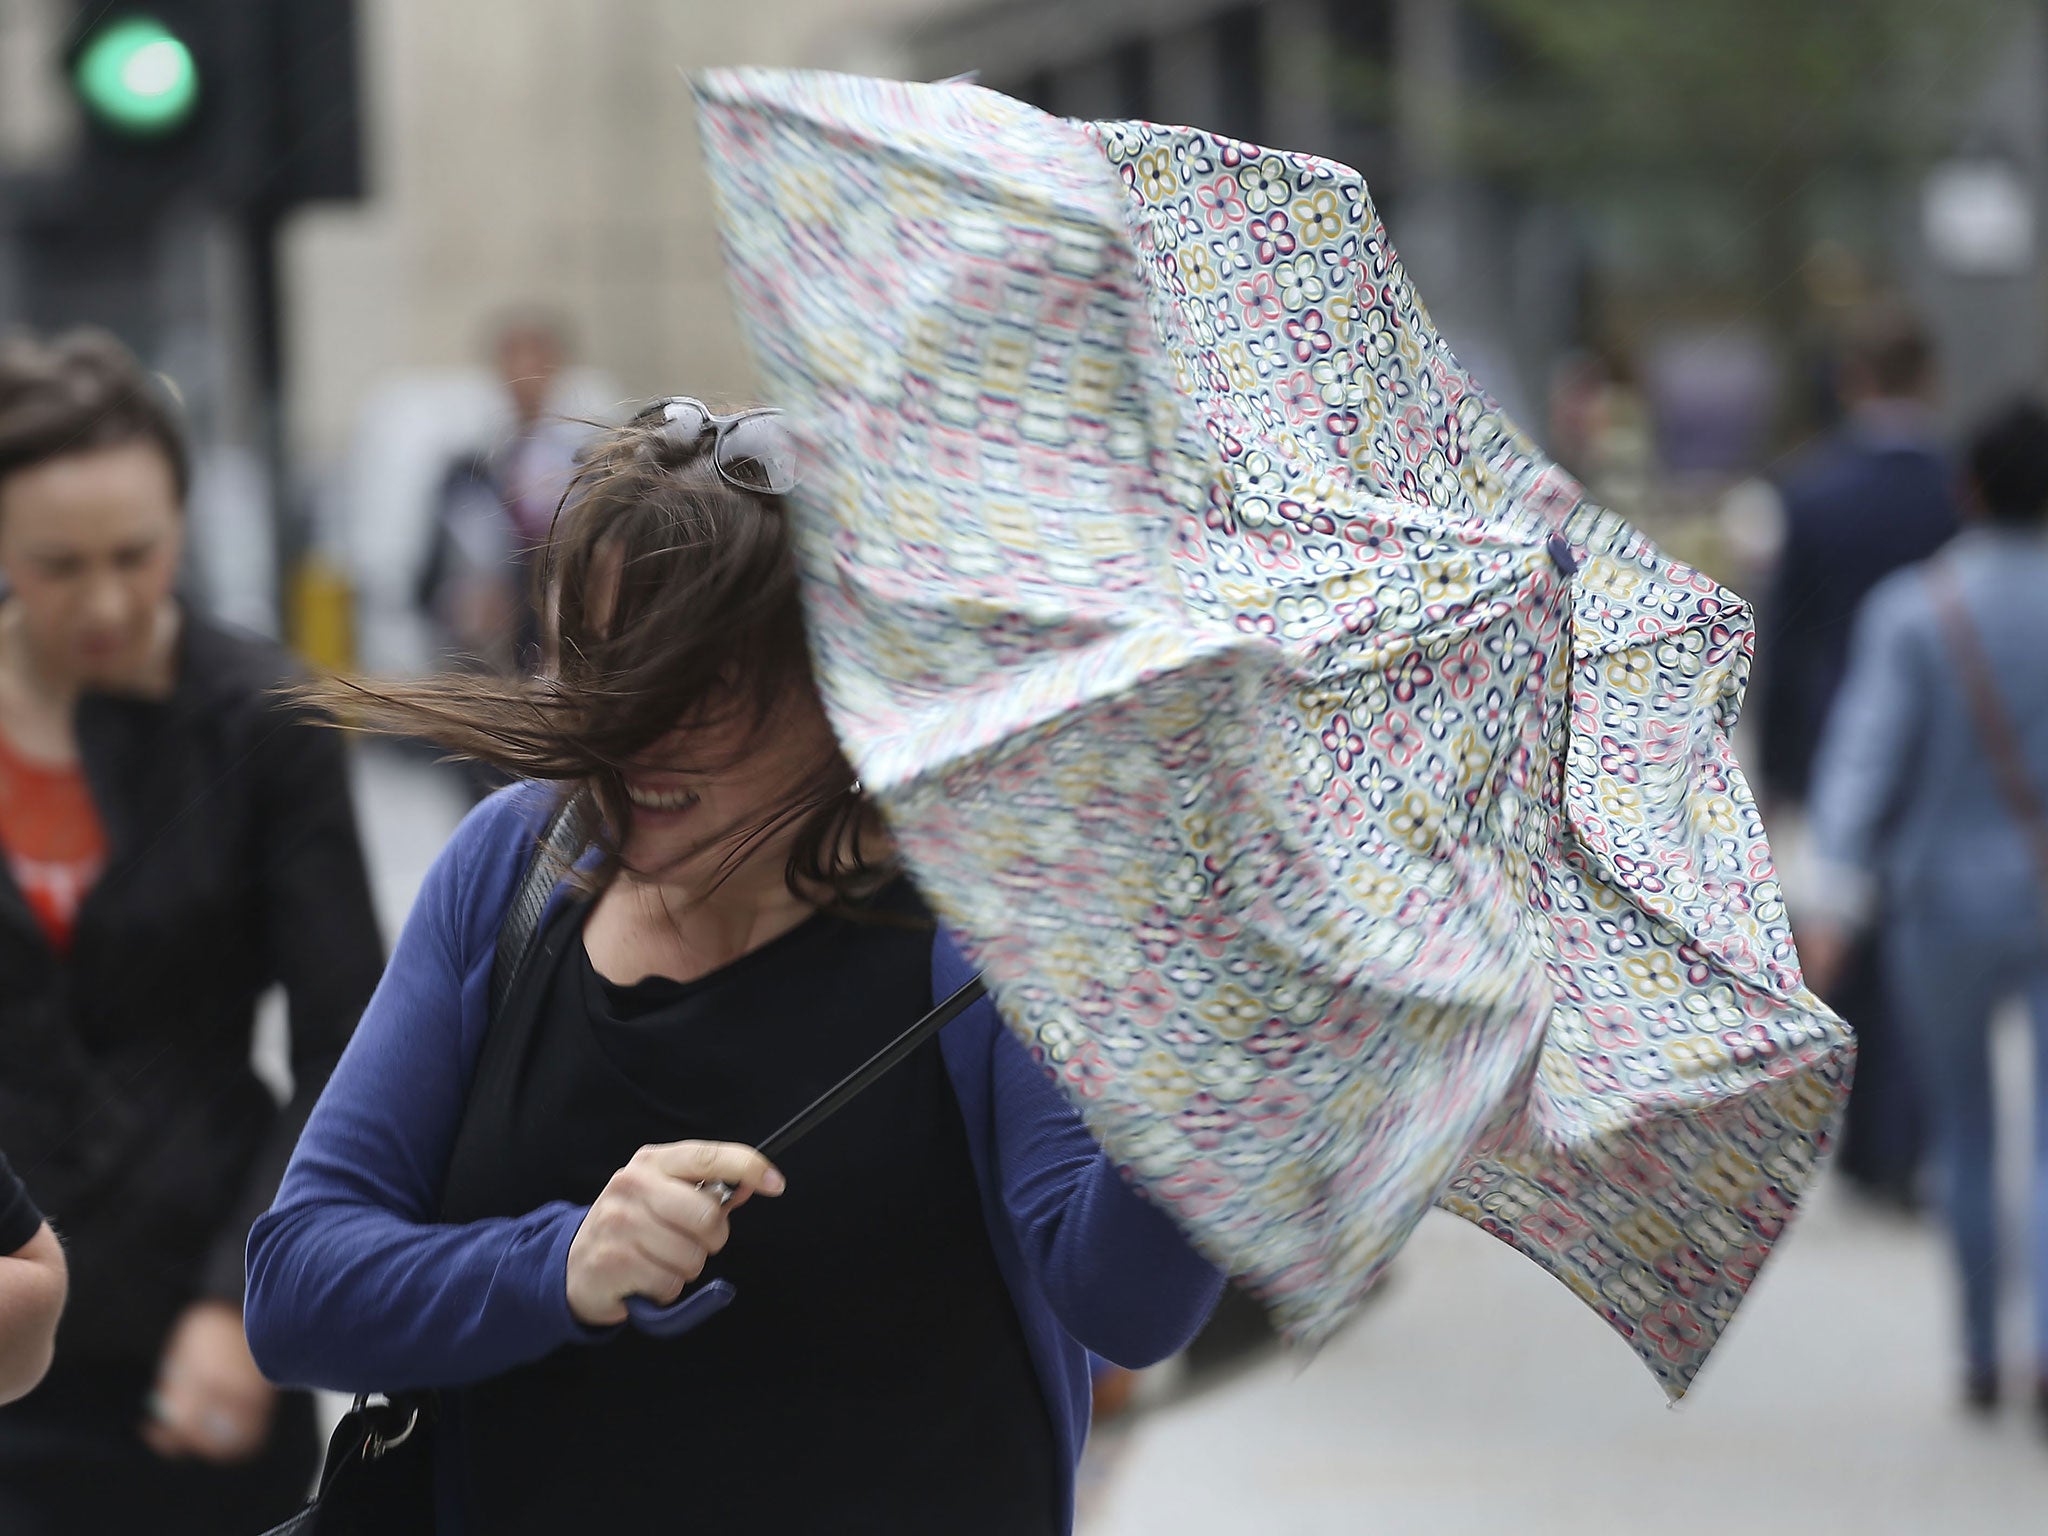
680, 1316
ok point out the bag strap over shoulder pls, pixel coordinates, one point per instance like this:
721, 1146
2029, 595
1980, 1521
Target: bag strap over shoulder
1996, 733
378, 1474
559, 843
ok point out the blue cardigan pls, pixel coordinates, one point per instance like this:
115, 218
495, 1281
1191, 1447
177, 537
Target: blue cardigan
355, 1287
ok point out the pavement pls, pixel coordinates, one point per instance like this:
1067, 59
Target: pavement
406, 805
1476, 1395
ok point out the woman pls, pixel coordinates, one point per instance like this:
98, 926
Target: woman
475, 1198
176, 841
1938, 742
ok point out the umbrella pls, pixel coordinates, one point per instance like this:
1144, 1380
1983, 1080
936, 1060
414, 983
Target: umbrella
1339, 805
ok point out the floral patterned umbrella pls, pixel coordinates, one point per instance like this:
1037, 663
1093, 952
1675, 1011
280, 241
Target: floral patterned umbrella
1339, 804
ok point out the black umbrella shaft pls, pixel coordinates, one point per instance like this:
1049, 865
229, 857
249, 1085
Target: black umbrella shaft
877, 1066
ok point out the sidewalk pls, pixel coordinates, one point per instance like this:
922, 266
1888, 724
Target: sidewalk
1479, 1396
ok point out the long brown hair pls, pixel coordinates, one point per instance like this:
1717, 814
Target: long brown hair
669, 601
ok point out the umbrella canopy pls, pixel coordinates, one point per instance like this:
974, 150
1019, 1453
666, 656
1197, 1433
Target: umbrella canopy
1339, 804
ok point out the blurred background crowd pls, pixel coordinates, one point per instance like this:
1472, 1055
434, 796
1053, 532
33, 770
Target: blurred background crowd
1768, 277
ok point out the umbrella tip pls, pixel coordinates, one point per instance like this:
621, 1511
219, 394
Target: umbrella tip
1562, 557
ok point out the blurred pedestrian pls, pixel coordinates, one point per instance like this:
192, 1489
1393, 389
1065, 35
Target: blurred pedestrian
1601, 431
1928, 809
1876, 496
498, 503
32, 1282
476, 1197
176, 839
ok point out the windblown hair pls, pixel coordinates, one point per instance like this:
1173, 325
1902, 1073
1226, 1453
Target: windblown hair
80, 392
670, 602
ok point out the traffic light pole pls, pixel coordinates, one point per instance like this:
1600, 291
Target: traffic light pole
260, 228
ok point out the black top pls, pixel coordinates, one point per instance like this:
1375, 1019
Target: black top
871, 1373
126, 1095
19, 1219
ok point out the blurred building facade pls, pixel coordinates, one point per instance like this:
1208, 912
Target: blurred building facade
533, 153
547, 152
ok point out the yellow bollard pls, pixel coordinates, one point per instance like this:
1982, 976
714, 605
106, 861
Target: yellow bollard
320, 618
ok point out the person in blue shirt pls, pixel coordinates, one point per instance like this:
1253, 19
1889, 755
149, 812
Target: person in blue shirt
1918, 842
476, 1198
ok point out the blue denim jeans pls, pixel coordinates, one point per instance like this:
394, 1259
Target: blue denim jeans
1949, 974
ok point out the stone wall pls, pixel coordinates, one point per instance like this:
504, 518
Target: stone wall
540, 152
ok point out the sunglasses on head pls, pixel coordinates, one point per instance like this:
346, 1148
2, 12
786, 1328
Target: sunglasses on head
751, 450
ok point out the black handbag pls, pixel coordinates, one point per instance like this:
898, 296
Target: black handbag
378, 1478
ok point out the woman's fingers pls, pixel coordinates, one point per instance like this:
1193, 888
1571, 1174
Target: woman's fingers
648, 1260
689, 1211
166, 1414
667, 1263
657, 1222
719, 1162
166, 1441
186, 1420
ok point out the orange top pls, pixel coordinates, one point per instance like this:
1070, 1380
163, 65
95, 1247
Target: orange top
53, 838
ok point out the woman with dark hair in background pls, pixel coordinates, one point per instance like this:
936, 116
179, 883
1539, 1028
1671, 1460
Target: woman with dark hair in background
1930, 806
476, 1198
176, 839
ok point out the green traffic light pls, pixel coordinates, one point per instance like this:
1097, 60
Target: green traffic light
137, 77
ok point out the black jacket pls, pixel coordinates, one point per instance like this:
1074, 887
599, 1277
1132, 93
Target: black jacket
127, 1099
1856, 509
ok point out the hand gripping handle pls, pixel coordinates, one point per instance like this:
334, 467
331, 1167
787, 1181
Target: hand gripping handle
692, 1307
687, 1311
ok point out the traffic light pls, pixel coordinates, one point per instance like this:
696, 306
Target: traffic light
239, 104
136, 78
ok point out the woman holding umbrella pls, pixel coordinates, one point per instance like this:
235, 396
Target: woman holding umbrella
477, 1199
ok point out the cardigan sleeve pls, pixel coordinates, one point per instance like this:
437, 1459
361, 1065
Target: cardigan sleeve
352, 1284
1117, 1273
